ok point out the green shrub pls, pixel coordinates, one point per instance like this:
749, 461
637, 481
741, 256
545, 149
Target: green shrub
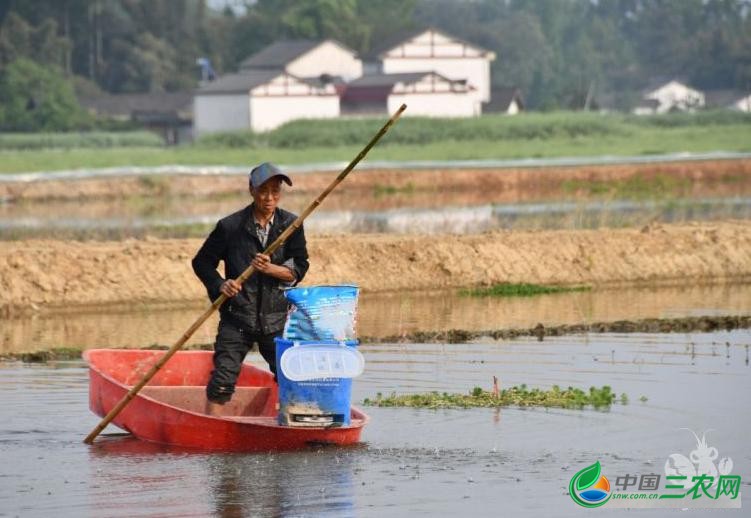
423, 130
306, 133
93, 139
231, 139
534, 127
37, 98
683, 119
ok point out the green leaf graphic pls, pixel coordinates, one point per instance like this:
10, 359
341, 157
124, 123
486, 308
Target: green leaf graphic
588, 476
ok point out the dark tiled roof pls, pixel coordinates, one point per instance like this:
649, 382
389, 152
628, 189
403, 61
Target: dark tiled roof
376, 88
387, 79
323, 80
648, 103
280, 54
723, 98
241, 82
501, 98
124, 105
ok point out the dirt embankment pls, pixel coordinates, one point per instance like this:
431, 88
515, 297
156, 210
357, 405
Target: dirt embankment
57, 274
508, 184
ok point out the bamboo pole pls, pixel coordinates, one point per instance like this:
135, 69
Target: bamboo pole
244, 276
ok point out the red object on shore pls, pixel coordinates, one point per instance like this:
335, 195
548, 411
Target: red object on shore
170, 409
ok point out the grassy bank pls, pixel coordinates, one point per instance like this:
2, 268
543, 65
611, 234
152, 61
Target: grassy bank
527, 136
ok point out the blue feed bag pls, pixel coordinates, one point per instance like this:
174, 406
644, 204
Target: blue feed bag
322, 313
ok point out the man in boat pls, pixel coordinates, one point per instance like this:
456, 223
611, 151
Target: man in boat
255, 311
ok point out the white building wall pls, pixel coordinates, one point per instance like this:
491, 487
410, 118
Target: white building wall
212, 113
436, 104
267, 113
676, 95
743, 104
432, 43
475, 70
452, 58
643, 110
327, 58
513, 108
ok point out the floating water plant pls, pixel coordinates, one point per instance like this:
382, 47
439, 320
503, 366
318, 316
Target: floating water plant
518, 395
520, 290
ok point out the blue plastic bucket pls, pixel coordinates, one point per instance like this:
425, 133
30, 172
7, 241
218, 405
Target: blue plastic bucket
319, 401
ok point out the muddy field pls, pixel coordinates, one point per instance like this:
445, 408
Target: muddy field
666, 324
710, 177
60, 274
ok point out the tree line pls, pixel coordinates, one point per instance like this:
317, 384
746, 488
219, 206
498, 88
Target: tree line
558, 52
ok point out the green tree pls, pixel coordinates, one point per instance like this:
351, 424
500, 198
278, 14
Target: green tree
524, 58
37, 98
19, 39
317, 19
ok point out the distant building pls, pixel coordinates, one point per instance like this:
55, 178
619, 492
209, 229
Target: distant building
306, 58
505, 100
729, 99
432, 50
437, 75
261, 100
427, 94
666, 95
168, 113
288, 80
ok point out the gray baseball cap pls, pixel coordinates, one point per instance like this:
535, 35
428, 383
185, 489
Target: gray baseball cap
264, 172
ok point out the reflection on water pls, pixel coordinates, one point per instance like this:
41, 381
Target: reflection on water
413, 462
307, 484
196, 219
382, 315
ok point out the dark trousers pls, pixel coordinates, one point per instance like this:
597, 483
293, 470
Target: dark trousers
233, 342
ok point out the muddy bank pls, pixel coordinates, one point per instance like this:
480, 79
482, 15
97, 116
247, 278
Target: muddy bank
710, 177
71, 275
381, 315
648, 325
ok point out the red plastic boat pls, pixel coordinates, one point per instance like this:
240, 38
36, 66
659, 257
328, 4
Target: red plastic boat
170, 409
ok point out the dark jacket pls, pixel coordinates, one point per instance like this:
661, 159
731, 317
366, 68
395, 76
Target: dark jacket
260, 305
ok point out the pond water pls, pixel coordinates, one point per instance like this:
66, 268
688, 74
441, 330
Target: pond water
383, 315
479, 462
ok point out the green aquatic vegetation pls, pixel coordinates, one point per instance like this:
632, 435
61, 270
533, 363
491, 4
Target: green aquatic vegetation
520, 395
638, 187
155, 184
390, 190
520, 290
